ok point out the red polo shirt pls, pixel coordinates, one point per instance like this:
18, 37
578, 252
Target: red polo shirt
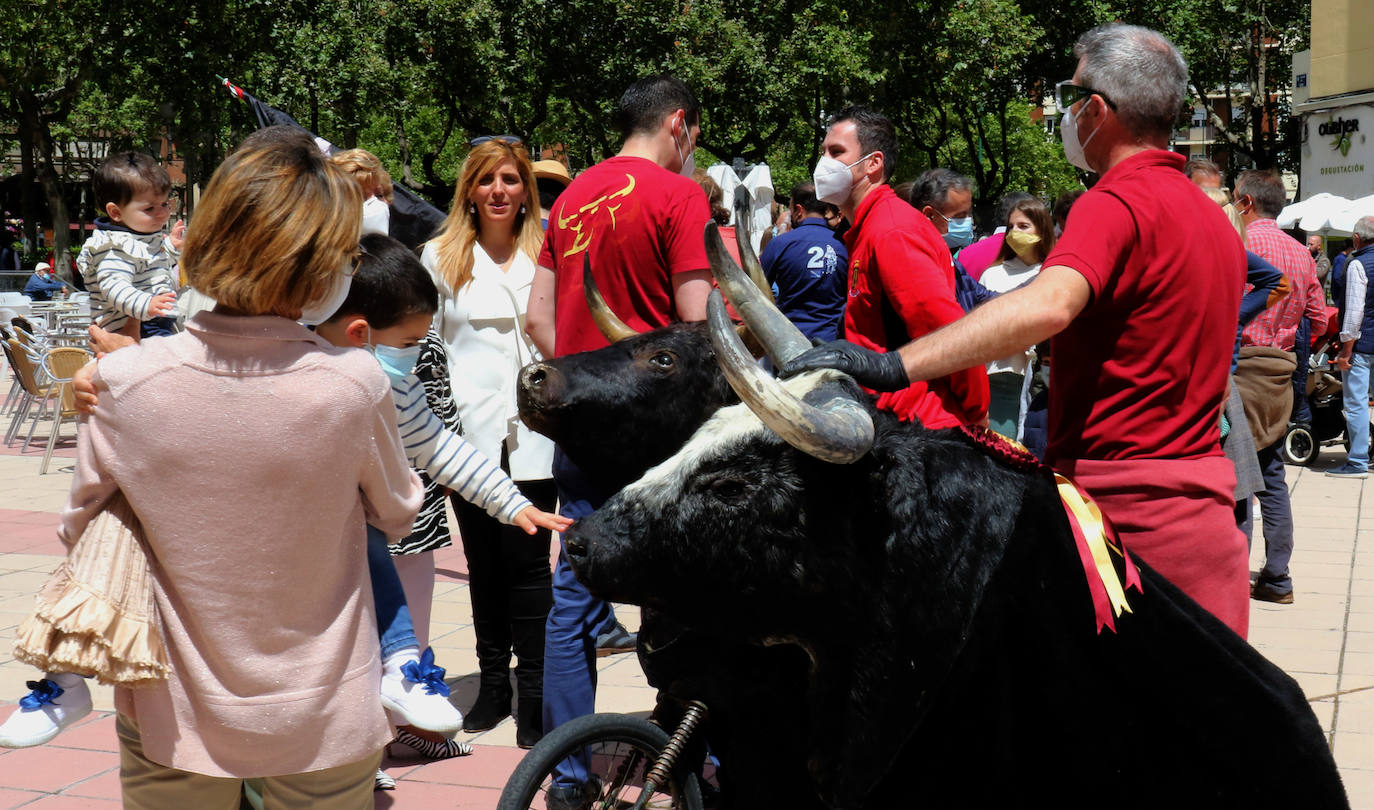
1141, 373
901, 286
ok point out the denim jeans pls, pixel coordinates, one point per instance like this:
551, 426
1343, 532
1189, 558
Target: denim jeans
1302, 351
1355, 396
393, 617
574, 622
1276, 511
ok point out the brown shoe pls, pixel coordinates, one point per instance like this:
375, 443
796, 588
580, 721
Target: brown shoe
1265, 592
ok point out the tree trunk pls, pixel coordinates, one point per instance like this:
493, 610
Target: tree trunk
28, 205
52, 192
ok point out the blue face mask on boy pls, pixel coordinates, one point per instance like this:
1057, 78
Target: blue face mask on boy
397, 363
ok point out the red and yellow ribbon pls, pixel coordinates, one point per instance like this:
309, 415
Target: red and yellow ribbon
1095, 538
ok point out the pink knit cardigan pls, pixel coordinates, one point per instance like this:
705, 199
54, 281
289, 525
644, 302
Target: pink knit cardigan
252, 451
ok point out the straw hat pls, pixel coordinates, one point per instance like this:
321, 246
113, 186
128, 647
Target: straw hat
552, 170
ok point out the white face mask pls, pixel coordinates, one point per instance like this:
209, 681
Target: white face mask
376, 216
833, 179
319, 312
1073, 150
689, 163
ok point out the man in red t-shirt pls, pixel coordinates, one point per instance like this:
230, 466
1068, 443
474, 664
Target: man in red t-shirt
1141, 295
901, 278
641, 219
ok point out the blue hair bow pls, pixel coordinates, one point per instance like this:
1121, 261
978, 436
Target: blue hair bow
44, 691
424, 671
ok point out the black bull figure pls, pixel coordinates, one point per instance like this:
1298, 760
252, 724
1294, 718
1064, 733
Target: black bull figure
934, 632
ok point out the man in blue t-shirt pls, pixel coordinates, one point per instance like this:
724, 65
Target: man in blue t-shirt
807, 267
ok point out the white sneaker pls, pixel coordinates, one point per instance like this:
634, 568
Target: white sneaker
55, 703
423, 702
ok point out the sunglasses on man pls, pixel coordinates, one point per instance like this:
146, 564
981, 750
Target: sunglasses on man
1067, 94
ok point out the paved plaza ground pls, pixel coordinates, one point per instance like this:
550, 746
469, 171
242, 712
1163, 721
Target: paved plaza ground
1325, 640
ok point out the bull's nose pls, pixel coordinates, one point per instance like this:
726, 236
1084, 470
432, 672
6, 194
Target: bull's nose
540, 384
576, 547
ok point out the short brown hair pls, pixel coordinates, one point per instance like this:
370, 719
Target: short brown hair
367, 171
124, 174
1265, 189
276, 223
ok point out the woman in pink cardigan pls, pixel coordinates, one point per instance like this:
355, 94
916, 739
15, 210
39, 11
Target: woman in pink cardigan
252, 451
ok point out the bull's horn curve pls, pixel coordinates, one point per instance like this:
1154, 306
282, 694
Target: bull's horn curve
607, 321
744, 240
778, 335
840, 431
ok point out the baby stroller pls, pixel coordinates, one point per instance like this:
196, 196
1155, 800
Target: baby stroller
1302, 442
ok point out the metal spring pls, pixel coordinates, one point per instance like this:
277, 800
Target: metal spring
658, 775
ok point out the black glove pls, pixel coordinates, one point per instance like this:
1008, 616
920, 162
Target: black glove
880, 371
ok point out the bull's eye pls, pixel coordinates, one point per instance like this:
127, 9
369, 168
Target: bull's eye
662, 360
727, 489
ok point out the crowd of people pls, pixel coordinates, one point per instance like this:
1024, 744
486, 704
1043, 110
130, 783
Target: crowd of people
1102, 330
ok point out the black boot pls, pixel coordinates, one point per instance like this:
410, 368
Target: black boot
529, 608
491, 707
493, 693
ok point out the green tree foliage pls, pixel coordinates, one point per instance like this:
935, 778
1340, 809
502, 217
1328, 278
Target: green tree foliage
413, 82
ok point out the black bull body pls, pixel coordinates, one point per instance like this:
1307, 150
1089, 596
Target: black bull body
912, 628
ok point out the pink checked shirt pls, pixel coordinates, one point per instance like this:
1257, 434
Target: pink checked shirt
1278, 325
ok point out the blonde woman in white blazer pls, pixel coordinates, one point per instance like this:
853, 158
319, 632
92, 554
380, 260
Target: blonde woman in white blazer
483, 261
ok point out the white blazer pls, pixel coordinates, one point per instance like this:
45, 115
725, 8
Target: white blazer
483, 329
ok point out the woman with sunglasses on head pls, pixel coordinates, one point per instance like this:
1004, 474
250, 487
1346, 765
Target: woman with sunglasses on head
483, 262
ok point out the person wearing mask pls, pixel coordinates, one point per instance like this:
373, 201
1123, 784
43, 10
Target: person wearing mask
43, 283
639, 218
980, 255
1029, 236
806, 266
1145, 254
939, 194
901, 282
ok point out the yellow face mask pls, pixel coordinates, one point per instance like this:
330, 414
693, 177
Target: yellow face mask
1023, 245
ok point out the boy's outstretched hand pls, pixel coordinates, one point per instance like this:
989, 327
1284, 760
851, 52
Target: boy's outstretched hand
532, 520
178, 235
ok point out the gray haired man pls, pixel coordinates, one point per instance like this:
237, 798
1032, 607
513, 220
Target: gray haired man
1355, 298
1147, 265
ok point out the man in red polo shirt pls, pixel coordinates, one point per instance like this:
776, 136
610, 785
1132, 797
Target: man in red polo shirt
901, 278
640, 217
1141, 295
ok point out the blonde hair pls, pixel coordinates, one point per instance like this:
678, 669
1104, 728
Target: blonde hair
453, 244
367, 170
1223, 199
274, 227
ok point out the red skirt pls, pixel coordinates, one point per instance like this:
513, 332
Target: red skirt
1179, 516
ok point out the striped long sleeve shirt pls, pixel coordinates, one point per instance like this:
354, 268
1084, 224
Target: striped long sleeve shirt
449, 459
123, 270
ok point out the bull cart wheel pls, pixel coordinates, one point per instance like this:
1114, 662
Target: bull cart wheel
619, 751
1299, 445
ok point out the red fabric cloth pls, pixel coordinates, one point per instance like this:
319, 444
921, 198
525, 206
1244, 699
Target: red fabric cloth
980, 255
1177, 516
643, 224
1141, 373
901, 286
1277, 326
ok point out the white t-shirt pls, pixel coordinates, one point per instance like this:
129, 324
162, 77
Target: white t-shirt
1001, 278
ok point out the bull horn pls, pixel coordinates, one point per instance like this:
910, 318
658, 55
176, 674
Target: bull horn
839, 431
607, 321
744, 240
778, 335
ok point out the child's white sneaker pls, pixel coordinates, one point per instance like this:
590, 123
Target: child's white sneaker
56, 702
414, 690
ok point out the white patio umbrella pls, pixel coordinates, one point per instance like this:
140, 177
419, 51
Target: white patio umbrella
1345, 220
1317, 219
1289, 216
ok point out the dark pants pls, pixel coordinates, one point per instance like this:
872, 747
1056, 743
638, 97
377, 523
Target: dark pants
1277, 515
512, 592
157, 327
1302, 350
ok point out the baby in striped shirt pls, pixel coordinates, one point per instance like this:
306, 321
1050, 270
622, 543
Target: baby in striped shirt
128, 264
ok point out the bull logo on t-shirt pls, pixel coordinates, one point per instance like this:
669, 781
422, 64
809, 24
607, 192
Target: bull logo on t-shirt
585, 220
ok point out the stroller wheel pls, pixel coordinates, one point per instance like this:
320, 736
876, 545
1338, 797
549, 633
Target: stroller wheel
1299, 445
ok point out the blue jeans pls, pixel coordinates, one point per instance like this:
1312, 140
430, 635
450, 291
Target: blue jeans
1302, 352
157, 327
393, 617
574, 622
1355, 396
1276, 510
